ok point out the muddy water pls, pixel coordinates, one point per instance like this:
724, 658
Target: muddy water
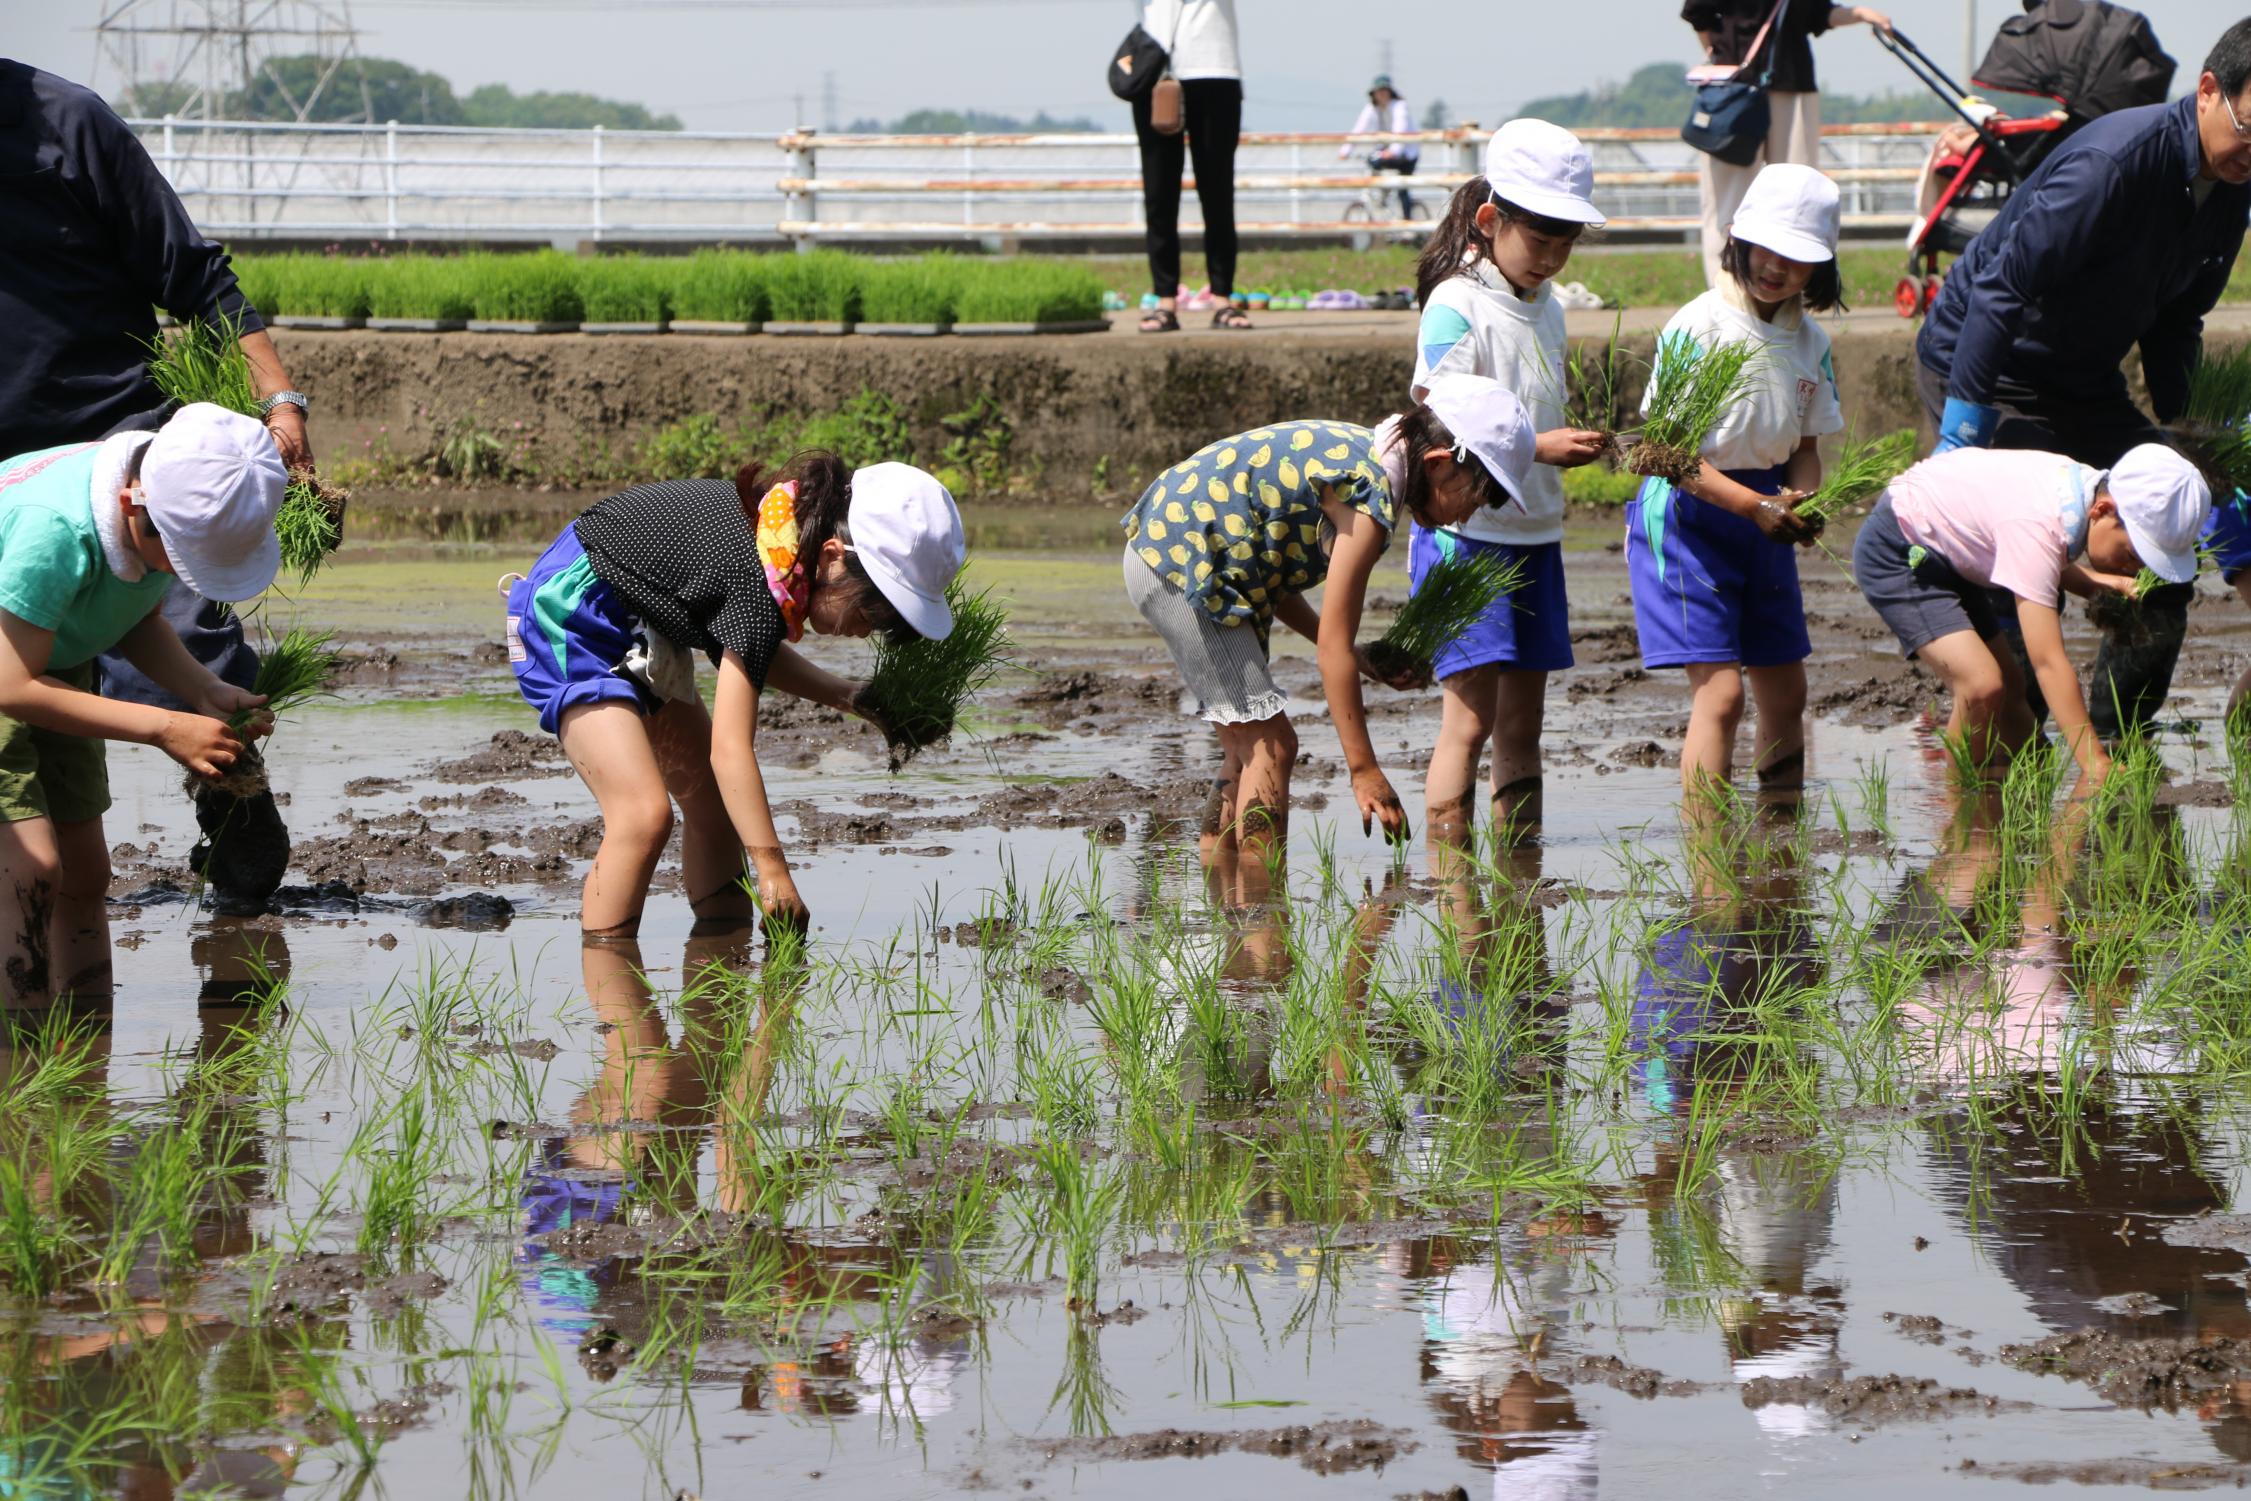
1605, 1283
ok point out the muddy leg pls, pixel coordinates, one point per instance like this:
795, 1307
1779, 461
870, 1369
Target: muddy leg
1780, 692
1991, 717
1715, 712
1520, 711
80, 952
711, 856
1216, 835
608, 742
1267, 751
1465, 725
30, 867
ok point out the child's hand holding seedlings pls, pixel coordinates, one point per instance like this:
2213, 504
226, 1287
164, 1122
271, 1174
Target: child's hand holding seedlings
1776, 520
1569, 447
1404, 676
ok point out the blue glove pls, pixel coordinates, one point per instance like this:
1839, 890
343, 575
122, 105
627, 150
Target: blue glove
1965, 424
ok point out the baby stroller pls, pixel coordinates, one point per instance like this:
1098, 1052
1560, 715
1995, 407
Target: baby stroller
2089, 56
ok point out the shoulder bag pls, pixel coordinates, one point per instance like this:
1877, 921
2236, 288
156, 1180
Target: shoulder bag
1142, 67
1729, 118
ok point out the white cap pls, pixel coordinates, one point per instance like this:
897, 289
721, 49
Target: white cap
2164, 503
1486, 419
907, 535
1790, 209
212, 480
1542, 169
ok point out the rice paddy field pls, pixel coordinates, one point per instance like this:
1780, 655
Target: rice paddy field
1892, 1138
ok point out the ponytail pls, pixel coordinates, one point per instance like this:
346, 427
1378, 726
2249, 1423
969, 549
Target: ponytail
824, 507
1457, 239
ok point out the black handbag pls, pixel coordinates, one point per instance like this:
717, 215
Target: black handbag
1137, 65
1730, 116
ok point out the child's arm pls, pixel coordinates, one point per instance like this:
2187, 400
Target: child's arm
1296, 611
2059, 681
2088, 583
794, 673
1359, 542
156, 649
742, 787
1770, 514
202, 744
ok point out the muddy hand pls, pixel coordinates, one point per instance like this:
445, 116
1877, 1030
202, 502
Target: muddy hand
1569, 447
784, 909
1404, 676
863, 706
202, 744
226, 701
1776, 520
1379, 804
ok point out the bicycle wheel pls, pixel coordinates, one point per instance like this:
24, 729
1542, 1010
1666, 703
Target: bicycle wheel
1358, 213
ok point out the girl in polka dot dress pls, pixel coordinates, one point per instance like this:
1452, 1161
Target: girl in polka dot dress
1229, 540
602, 632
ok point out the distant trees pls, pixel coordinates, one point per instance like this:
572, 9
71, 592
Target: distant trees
1656, 94
958, 121
381, 88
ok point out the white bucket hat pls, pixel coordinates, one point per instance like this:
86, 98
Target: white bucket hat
1791, 210
212, 481
906, 533
1542, 169
1489, 422
2164, 503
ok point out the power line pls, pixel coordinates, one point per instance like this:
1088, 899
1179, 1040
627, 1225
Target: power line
639, 6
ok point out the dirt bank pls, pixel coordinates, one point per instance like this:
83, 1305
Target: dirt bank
1124, 402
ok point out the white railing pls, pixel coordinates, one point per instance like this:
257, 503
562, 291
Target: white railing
250, 181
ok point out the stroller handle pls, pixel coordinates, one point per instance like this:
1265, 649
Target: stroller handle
1936, 79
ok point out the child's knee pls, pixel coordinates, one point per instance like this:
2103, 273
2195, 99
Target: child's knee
1274, 741
1721, 695
84, 877
641, 823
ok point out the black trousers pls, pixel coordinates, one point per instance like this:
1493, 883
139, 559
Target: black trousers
1214, 112
2132, 678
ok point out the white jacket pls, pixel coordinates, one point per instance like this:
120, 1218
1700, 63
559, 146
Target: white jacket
1200, 34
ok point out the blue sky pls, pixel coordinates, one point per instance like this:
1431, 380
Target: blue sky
741, 66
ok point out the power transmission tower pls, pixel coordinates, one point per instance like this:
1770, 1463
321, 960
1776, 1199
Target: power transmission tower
1383, 57
828, 101
194, 58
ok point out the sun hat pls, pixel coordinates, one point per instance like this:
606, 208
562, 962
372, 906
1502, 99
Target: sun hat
1383, 81
2164, 503
1543, 169
906, 532
1792, 210
212, 481
1488, 422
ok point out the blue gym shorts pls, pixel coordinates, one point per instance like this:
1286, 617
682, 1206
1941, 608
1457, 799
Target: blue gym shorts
2227, 536
1709, 586
567, 635
1527, 630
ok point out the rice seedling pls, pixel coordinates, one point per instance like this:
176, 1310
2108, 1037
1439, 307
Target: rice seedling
539, 287
1594, 384
923, 290
1027, 291
422, 286
1859, 475
2219, 388
1690, 390
919, 689
1454, 595
721, 286
822, 286
623, 289
316, 286
297, 668
204, 361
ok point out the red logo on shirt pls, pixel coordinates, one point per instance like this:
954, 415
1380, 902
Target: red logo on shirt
22, 472
1806, 388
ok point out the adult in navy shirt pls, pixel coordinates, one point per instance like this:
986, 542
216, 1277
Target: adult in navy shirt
92, 238
2124, 236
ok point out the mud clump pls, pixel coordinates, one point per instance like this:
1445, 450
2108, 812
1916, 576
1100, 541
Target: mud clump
2159, 1372
1064, 698
1879, 700
1325, 1449
1613, 1372
1871, 1400
476, 912
510, 753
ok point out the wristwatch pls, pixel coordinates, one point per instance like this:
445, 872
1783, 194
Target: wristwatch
297, 399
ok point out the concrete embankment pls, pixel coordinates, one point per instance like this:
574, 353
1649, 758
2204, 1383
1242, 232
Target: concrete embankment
1120, 405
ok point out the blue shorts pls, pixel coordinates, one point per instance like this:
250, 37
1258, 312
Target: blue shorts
1709, 586
2227, 536
567, 633
1527, 630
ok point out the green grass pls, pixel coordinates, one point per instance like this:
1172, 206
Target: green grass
920, 688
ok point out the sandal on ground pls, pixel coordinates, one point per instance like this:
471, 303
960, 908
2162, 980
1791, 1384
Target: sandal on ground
1230, 316
1160, 321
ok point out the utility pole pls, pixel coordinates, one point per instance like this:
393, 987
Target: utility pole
1969, 40
828, 100
1383, 57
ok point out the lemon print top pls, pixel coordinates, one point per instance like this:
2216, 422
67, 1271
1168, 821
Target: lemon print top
1237, 525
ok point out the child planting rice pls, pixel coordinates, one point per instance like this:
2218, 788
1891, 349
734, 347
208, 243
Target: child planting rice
1228, 541
1743, 388
91, 538
600, 631
1489, 309
1960, 529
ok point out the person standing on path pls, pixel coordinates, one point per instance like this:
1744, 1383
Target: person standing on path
1207, 60
1727, 29
96, 238
2125, 236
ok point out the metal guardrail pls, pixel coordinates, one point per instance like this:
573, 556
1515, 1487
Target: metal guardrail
252, 180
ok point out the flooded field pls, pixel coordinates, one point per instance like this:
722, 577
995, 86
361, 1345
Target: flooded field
1890, 1140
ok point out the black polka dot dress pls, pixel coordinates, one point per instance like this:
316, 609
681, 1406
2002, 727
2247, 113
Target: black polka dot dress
682, 555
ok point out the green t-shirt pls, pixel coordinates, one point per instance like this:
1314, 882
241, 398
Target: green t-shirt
52, 571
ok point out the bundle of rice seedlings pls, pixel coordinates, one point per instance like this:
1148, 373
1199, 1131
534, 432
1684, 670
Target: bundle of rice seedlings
720, 286
297, 668
1689, 392
1454, 595
918, 689
203, 361
1860, 474
2219, 388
